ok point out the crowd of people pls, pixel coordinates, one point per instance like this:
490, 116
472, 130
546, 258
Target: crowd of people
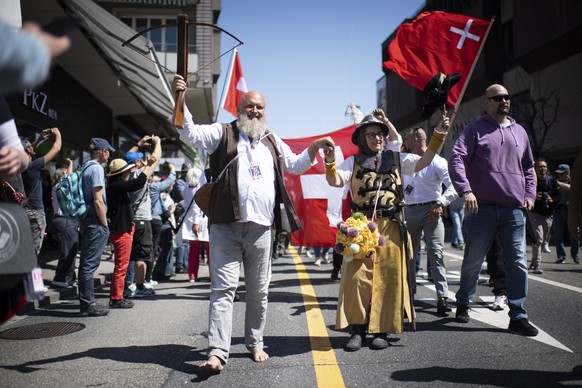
154, 223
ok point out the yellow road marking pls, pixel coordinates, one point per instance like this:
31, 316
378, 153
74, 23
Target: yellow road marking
327, 371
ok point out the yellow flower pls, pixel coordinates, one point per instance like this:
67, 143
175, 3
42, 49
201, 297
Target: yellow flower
355, 239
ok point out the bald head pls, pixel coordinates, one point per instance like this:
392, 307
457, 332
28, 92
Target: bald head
252, 101
497, 102
494, 90
414, 140
251, 118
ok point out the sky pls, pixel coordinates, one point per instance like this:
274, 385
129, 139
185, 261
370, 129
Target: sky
311, 58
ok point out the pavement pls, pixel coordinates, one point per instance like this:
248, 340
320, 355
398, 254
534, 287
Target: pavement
48, 259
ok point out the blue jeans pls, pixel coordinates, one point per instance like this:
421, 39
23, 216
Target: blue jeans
559, 230
130, 276
165, 263
457, 217
182, 255
509, 224
94, 237
66, 232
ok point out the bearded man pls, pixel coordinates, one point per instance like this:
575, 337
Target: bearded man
248, 203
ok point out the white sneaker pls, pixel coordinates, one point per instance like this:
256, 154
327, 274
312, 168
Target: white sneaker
547, 248
318, 261
308, 253
151, 284
500, 303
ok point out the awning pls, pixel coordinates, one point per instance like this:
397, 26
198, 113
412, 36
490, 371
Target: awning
142, 76
133, 87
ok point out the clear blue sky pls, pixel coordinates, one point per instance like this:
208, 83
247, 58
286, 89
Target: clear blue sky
311, 58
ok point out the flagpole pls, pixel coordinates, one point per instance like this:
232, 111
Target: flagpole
226, 83
458, 103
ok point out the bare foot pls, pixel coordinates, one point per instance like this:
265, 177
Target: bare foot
213, 364
259, 355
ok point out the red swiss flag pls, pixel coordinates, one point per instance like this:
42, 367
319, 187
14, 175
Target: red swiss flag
436, 42
319, 206
237, 87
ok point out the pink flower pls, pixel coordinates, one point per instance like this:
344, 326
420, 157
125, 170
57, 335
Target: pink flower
353, 232
381, 241
339, 248
372, 226
343, 227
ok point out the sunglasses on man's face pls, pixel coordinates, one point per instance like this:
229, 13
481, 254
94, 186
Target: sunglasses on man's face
505, 97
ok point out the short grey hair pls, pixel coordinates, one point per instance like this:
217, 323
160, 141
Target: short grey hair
193, 176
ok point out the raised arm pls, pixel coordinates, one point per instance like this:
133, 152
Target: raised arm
69, 164
437, 139
331, 175
56, 148
392, 132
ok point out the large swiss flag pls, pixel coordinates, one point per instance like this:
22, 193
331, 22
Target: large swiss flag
436, 42
319, 206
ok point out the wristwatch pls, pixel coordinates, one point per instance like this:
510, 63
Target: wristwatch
466, 192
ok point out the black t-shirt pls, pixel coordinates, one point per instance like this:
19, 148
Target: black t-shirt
119, 207
549, 188
32, 185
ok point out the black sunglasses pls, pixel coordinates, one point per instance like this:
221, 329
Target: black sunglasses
505, 97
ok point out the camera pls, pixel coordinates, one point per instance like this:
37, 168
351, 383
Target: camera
544, 200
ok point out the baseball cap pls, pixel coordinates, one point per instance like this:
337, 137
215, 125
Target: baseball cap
562, 168
98, 143
132, 156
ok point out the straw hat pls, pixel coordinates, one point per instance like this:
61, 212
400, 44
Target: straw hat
117, 166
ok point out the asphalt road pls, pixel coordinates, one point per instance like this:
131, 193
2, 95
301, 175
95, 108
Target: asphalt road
160, 342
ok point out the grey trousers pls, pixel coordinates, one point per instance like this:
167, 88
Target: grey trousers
417, 220
230, 245
541, 226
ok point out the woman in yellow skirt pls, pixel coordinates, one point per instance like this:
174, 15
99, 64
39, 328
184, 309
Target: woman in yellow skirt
374, 295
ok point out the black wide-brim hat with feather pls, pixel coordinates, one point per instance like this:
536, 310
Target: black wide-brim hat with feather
436, 92
368, 120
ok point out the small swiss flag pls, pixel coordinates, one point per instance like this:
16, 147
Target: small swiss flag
236, 88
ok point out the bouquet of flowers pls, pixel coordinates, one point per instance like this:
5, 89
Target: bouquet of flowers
357, 238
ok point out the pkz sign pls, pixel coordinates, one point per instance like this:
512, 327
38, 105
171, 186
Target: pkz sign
38, 101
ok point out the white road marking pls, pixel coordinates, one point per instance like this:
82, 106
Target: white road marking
454, 256
498, 319
530, 276
555, 284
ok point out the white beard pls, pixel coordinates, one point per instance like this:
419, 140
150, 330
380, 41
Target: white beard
253, 128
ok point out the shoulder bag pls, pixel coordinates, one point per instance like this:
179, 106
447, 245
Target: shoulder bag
203, 195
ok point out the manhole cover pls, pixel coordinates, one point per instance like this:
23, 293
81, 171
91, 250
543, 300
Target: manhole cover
41, 330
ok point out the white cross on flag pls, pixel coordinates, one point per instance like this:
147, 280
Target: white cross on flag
436, 42
236, 88
319, 206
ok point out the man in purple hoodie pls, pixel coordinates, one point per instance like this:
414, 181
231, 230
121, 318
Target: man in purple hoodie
492, 167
